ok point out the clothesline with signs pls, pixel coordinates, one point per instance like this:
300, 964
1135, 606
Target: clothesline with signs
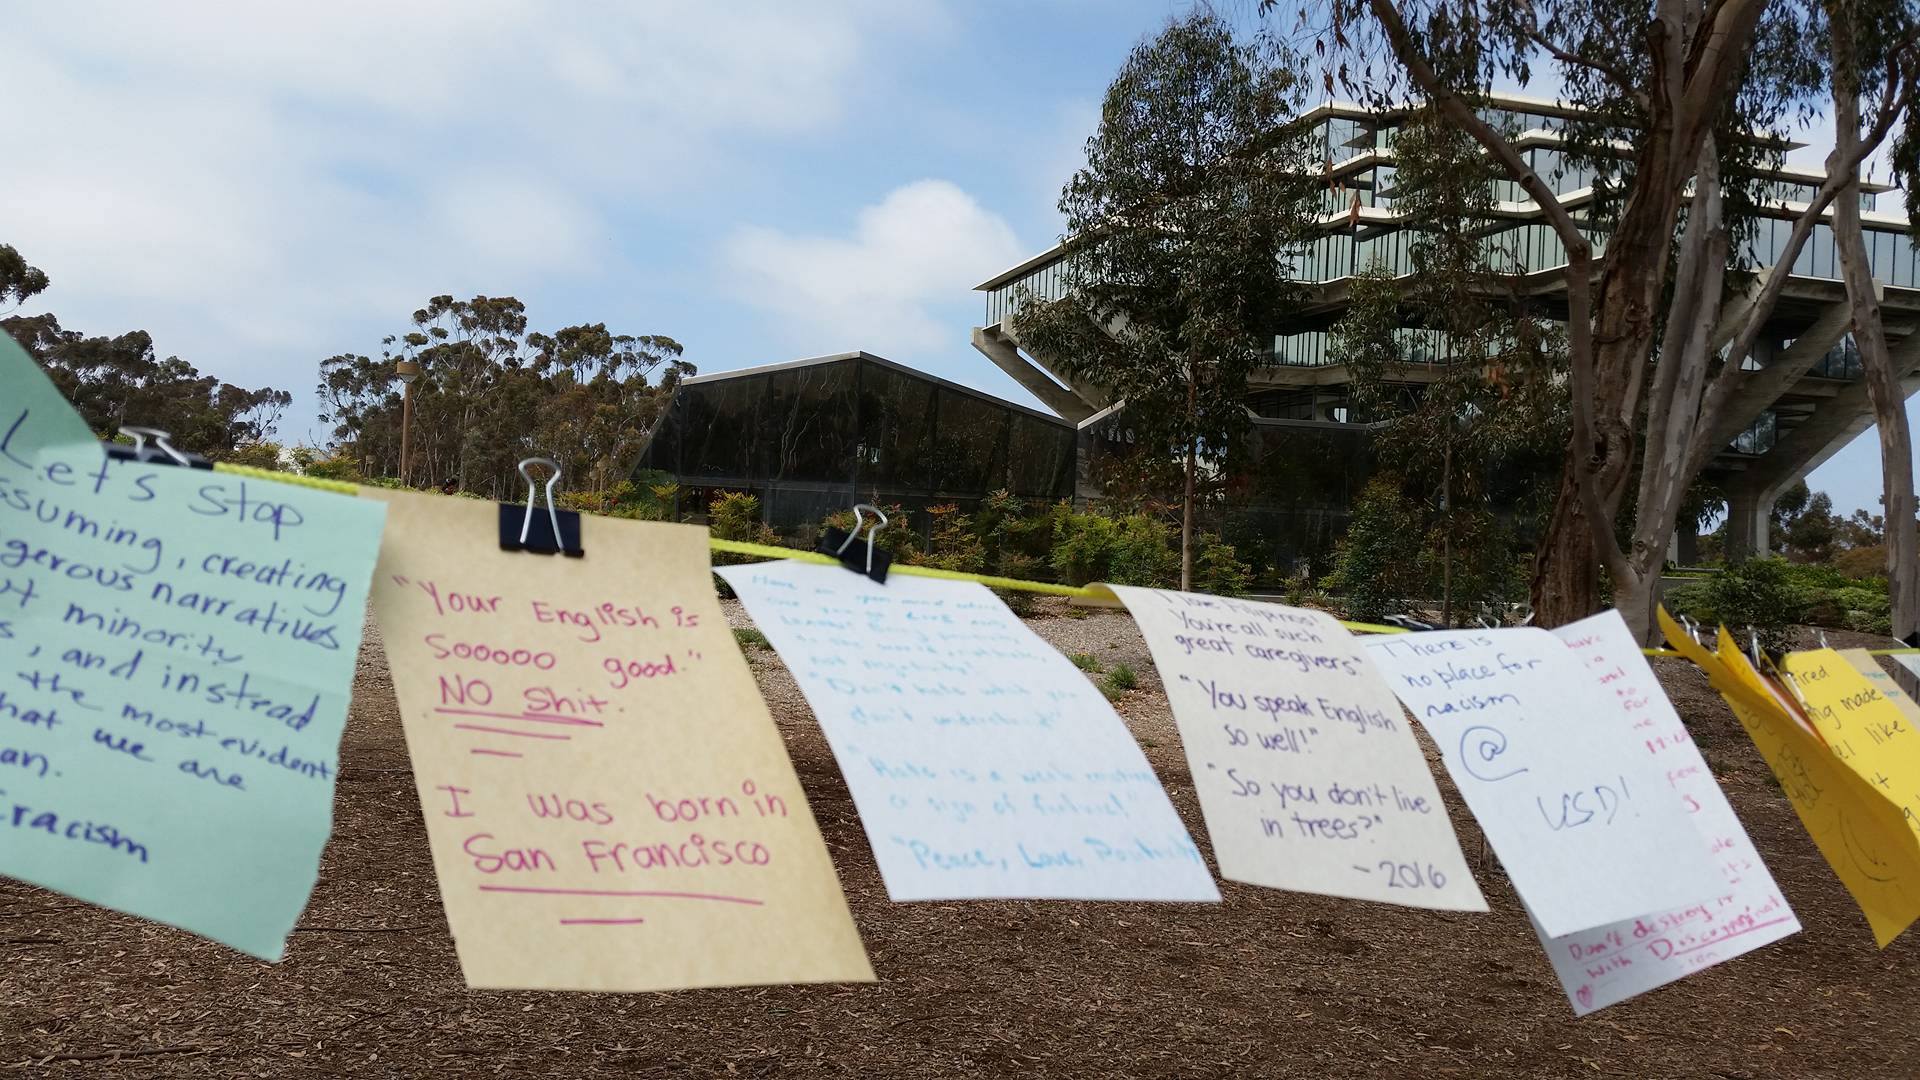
1085, 593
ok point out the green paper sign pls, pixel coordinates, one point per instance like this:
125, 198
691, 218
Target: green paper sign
176, 652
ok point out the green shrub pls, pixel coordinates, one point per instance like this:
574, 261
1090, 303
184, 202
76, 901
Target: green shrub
332, 467
1379, 559
1121, 679
1863, 562
897, 537
1086, 662
1217, 568
1772, 594
735, 515
748, 636
625, 500
1132, 550
952, 543
1760, 593
1694, 600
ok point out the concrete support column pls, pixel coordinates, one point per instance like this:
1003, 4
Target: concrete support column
1749, 513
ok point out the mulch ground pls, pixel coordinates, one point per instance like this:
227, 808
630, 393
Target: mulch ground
1267, 983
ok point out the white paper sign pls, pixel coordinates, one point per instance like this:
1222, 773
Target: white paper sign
983, 763
1308, 774
1609, 964
1567, 797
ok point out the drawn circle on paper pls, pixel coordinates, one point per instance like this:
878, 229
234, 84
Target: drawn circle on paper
1481, 747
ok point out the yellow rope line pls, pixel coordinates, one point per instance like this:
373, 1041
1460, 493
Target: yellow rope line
769, 551
339, 486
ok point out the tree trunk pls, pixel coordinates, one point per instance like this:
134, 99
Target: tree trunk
1193, 462
1634, 598
1186, 521
1883, 383
1566, 569
1446, 533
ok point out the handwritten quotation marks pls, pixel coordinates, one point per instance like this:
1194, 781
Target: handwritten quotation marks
982, 762
1306, 771
602, 766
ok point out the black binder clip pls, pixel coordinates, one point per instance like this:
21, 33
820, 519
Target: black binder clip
838, 543
558, 532
162, 452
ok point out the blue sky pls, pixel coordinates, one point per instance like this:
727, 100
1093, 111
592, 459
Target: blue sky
263, 186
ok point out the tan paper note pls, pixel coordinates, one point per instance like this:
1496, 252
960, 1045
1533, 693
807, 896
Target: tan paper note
609, 804
1308, 774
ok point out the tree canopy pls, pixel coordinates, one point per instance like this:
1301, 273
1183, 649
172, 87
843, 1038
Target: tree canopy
1196, 182
121, 381
493, 392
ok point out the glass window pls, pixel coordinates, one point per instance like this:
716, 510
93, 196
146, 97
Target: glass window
897, 413
970, 444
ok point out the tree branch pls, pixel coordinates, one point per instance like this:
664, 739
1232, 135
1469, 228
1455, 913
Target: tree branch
1719, 54
1617, 74
1579, 266
1840, 165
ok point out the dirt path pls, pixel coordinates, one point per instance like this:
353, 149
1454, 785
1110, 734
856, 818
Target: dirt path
1265, 984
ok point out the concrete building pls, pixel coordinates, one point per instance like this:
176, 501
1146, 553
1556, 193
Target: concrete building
1806, 398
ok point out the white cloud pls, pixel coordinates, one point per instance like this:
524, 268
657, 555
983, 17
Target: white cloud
259, 184
925, 244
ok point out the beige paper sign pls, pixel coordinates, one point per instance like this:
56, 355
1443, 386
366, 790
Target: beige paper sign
1308, 775
609, 804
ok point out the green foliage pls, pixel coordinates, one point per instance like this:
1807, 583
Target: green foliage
897, 537
1197, 180
120, 381
1087, 662
1377, 569
1133, 550
952, 543
1760, 593
256, 455
18, 281
307, 461
1794, 592
491, 391
1862, 562
1217, 568
750, 638
624, 500
735, 515
1121, 679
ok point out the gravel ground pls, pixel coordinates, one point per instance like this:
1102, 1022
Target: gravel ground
1266, 983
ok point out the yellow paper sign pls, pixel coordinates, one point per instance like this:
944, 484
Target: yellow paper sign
1864, 662
609, 804
1863, 726
1861, 833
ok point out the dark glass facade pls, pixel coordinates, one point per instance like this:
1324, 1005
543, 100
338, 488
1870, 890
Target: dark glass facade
816, 436
1287, 497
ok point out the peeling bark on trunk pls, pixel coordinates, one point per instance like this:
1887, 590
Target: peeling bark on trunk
1883, 383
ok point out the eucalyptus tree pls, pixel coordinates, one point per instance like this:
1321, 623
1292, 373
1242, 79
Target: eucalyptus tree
1683, 108
1197, 184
